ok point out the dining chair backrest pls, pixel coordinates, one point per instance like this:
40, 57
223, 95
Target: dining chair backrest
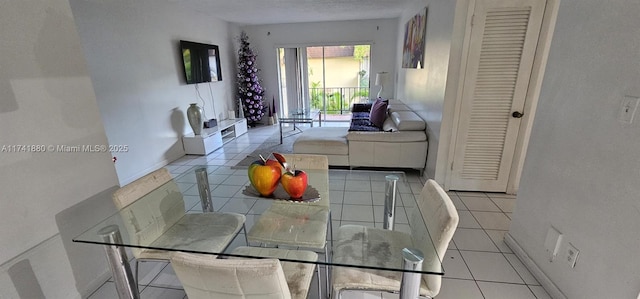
206, 277
441, 219
313, 162
133, 191
149, 206
304, 161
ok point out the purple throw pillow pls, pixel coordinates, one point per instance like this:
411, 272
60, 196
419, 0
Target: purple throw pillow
378, 113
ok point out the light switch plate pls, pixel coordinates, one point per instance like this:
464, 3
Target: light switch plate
552, 242
628, 109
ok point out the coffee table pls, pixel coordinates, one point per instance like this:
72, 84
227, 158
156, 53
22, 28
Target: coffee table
299, 117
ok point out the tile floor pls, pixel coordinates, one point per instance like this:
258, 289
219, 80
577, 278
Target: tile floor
478, 263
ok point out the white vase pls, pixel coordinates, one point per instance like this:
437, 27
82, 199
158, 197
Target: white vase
194, 115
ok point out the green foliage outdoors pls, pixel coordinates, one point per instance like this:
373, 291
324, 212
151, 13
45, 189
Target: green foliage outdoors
338, 101
316, 95
334, 101
361, 51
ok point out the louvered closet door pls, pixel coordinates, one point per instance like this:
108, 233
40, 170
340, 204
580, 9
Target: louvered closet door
503, 41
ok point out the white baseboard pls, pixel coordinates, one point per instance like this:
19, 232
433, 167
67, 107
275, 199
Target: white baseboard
544, 280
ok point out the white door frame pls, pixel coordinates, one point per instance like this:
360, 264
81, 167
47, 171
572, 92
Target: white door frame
455, 83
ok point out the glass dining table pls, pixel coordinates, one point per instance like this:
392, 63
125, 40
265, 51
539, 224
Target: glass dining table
205, 189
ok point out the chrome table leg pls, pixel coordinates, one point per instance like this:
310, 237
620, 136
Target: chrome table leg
119, 264
410, 285
280, 131
203, 189
391, 191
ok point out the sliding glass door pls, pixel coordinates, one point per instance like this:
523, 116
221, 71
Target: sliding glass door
326, 78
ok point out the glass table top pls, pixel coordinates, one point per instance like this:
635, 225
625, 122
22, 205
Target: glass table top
305, 114
365, 246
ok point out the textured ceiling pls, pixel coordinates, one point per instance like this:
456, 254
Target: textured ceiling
257, 12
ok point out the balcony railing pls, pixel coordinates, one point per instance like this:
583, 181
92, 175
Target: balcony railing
337, 100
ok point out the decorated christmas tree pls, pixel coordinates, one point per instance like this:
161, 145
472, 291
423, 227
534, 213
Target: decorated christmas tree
250, 90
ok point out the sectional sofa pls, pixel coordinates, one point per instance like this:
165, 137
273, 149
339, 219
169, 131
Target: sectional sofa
401, 142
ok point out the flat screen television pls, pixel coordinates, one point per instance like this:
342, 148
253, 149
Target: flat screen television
201, 62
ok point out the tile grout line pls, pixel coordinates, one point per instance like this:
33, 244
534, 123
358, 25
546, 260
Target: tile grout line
154, 278
471, 273
484, 230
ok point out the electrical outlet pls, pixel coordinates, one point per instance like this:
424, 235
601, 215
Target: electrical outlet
571, 255
628, 109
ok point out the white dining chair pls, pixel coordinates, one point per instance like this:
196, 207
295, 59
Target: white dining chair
305, 225
364, 245
208, 277
153, 212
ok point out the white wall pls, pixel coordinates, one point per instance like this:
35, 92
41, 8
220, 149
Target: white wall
132, 50
424, 89
381, 33
47, 99
582, 167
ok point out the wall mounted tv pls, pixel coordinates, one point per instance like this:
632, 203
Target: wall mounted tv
201, 62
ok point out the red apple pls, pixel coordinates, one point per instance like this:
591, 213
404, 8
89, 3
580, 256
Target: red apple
282, 160
274, 163
265, 175
295, 183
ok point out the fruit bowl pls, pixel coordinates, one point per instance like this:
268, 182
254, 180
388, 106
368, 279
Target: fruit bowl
310, 194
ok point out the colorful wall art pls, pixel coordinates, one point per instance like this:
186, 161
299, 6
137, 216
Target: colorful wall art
414, 35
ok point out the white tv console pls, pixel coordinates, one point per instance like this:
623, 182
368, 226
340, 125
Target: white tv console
212, 139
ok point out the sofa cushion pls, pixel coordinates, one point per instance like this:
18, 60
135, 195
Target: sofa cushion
397, 105
360, 115
398, 136
407, 121
394, 108
378, 113
394, 102
389, 125
361, 107
363, 125
322, 141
